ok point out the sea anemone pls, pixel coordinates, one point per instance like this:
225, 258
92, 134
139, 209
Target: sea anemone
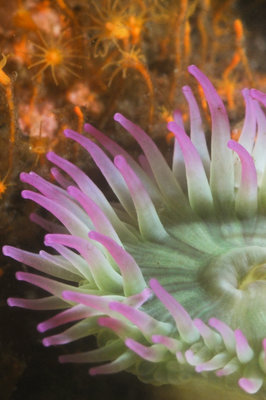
171, 276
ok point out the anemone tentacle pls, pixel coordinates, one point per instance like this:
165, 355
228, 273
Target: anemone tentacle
171, 277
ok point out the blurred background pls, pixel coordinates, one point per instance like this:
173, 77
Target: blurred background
66, 62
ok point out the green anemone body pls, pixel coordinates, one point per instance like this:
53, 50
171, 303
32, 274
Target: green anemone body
171, 278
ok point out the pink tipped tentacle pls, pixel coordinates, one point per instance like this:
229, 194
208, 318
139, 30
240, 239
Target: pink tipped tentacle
97, 216
149, 223
248, 132
39, 263
155, 353
199, 192
162, 173
133, 281
221, 169
74, 224
250, 385
107, 352
80, 330
44, 303
60, 178
126, 360
258, 95
107, 168
172, 344
49, 285
226, 333
211, 338
73, 260
230, 368
47, 225
246, 198
215, 363
99, 303
106, 278
74, 313
243, 350
258, 152
86, 185
184, 323
146, 324
197, 134
178, 165
114, 149
121, 328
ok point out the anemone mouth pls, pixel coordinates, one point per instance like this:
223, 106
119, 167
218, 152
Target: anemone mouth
244, 263
236, 272
221, 274
171, 279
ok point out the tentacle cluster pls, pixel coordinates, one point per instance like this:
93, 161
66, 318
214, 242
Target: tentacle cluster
198, 228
